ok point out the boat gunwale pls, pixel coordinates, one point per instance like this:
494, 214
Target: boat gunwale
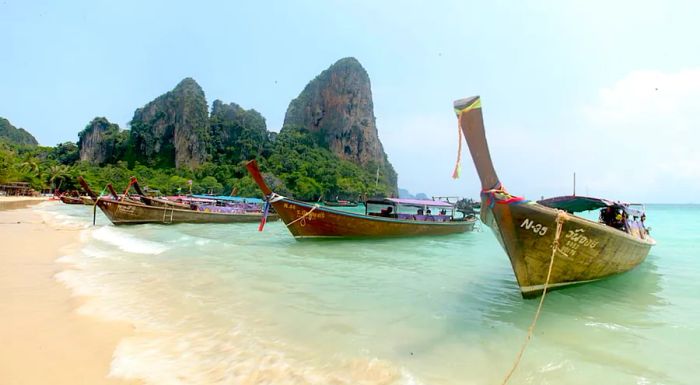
376, 218
173, 208
615, 232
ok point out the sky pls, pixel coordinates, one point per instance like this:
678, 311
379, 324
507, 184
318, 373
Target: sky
607, 90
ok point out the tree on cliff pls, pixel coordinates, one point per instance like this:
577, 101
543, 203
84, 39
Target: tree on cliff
15, 135
102, 142
337, 108
172, 130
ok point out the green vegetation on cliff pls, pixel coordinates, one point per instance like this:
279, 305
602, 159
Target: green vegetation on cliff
15, 135
236, 134
172, 130
298, 166
102, 142
173, 139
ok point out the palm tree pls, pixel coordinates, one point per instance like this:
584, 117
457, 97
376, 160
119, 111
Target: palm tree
57, 174
29, 165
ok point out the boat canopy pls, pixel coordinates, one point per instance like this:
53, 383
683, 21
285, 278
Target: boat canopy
410, 202
229, 198
575, 204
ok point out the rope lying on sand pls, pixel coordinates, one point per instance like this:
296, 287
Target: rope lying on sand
561, 218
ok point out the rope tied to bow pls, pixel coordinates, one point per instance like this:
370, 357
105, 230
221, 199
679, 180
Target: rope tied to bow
562, 216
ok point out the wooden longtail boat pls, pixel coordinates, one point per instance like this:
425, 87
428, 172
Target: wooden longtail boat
87, 200
122, 212
535, 235
341, 203
151, 201
71, 200
309, 220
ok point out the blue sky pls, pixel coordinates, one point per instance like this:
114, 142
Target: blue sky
606, 90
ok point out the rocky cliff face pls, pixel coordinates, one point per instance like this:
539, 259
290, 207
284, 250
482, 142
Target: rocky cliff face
172, 130
337, 107
16, 135
236, 134
101, 142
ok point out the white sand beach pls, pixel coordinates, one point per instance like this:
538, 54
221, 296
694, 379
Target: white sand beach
42, 338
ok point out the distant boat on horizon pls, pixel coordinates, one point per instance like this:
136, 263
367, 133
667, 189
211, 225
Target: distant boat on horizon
546, 235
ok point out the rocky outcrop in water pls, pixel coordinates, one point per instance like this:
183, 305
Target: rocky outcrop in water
16, 135
172, 130
102, 142
337, 108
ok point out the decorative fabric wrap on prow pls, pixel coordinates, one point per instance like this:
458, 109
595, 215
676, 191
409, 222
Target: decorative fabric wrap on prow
471, 122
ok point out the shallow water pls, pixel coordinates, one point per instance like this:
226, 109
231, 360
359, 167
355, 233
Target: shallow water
225, 304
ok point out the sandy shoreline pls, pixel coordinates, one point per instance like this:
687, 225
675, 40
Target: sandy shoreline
43, 340
17, 202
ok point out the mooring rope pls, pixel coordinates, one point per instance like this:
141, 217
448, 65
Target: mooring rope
561, 217
94, 206
274, 197
304, 216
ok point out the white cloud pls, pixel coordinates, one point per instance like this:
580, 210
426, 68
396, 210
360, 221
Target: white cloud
636, 141
645, 130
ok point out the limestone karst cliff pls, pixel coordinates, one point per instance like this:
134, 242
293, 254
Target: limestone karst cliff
236, 134
102, 142
172, 130
337, 107
16, 135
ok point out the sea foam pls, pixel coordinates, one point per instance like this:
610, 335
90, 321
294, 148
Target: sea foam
127, 242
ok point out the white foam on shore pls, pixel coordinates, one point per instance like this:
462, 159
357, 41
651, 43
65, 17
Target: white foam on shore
58, 220
180, 336
238, 357
127, 242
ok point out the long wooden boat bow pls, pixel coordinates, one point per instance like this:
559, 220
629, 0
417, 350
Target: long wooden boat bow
585, 250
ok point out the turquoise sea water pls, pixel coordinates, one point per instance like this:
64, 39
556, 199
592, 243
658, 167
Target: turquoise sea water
225, 304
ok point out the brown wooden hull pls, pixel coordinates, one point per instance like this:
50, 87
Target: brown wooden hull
71, 200
587, 250
163, 203
527, 231
87, 201
127, 213
330, 223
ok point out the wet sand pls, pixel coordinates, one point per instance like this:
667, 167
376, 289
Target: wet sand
43, 340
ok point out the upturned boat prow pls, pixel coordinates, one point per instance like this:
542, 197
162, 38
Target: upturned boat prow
532, 232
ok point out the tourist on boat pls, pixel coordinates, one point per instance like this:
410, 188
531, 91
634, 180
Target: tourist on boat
420, 211
607, 215
387, 211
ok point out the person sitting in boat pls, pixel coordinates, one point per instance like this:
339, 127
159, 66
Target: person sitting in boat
420, 211
428, 212
607, 215
443, 212
620, 220
387, 211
